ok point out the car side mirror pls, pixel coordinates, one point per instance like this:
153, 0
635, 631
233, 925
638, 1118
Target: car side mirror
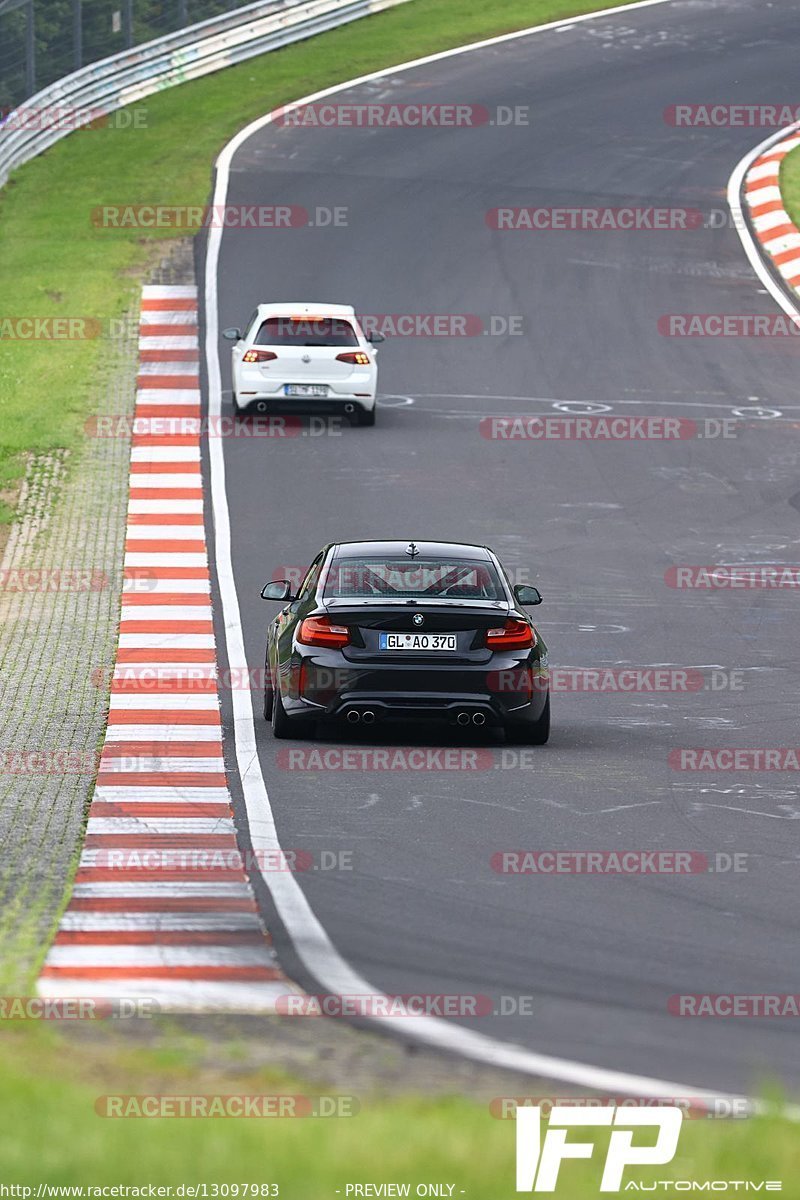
280, 590
232, 335
527, 595
376, 338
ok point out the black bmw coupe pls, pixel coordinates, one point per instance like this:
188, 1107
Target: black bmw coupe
432, 631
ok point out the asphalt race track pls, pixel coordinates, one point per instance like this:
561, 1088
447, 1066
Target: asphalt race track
596, 524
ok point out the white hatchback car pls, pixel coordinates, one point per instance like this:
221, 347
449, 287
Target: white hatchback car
312, 356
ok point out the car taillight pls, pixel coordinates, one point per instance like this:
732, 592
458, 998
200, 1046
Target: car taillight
357, 358
515, 635
320, 631
258, 356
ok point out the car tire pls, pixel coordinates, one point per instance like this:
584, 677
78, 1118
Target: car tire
365, 416
269, 695
283, 726
531, 733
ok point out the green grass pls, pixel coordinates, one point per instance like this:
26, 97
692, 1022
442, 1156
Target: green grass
790, 184
50, 1132
54, 263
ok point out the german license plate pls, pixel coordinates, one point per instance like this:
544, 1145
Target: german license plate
305, 389
418, 641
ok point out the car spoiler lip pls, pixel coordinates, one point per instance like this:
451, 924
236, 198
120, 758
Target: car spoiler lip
443, 602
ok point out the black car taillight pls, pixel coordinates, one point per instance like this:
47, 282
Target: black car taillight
320, 631
514, 635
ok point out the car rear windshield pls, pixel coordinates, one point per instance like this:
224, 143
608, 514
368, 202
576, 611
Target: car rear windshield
306, 331
404, 578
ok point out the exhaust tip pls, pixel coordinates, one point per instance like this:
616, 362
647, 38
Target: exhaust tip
368, 717
349, 409
261, 407
353, 716
478, 718
463, 718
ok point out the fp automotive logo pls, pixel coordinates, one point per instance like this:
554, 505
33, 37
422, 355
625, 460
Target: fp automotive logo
538, 1164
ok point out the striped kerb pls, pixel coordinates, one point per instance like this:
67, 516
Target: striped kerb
773, 226
162, 908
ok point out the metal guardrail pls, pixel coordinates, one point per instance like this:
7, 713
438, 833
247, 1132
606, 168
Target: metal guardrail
96, 90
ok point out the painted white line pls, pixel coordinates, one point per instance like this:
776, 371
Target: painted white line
162, 889
177, 317
169, 291
148, 825
166, 612
167, 341
152, 587
161, 764
308, 936
183, 702
167, 641
162, 733
135, 558
97, 922
172, 454
173, 533
160, 956
171, 396
150, 479
178, 995
164, 507
166, 368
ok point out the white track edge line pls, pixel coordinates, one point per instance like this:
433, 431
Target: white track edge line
309, 939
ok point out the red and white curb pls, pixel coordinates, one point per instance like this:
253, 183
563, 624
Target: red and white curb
162, 908
773, 226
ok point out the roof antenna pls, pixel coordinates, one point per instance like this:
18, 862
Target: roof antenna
412, 550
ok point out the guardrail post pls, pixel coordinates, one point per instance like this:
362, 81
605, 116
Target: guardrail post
30, 49
77, 35
127, 23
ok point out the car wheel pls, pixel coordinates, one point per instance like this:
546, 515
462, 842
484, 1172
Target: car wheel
530, 733
285, 727
366, 416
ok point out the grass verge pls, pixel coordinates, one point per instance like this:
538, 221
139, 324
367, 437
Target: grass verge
55, 263
51, 1133
790, 184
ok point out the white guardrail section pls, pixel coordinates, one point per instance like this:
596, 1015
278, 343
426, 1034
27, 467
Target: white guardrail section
197, 50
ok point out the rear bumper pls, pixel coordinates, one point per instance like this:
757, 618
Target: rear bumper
272, 402
332, 687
